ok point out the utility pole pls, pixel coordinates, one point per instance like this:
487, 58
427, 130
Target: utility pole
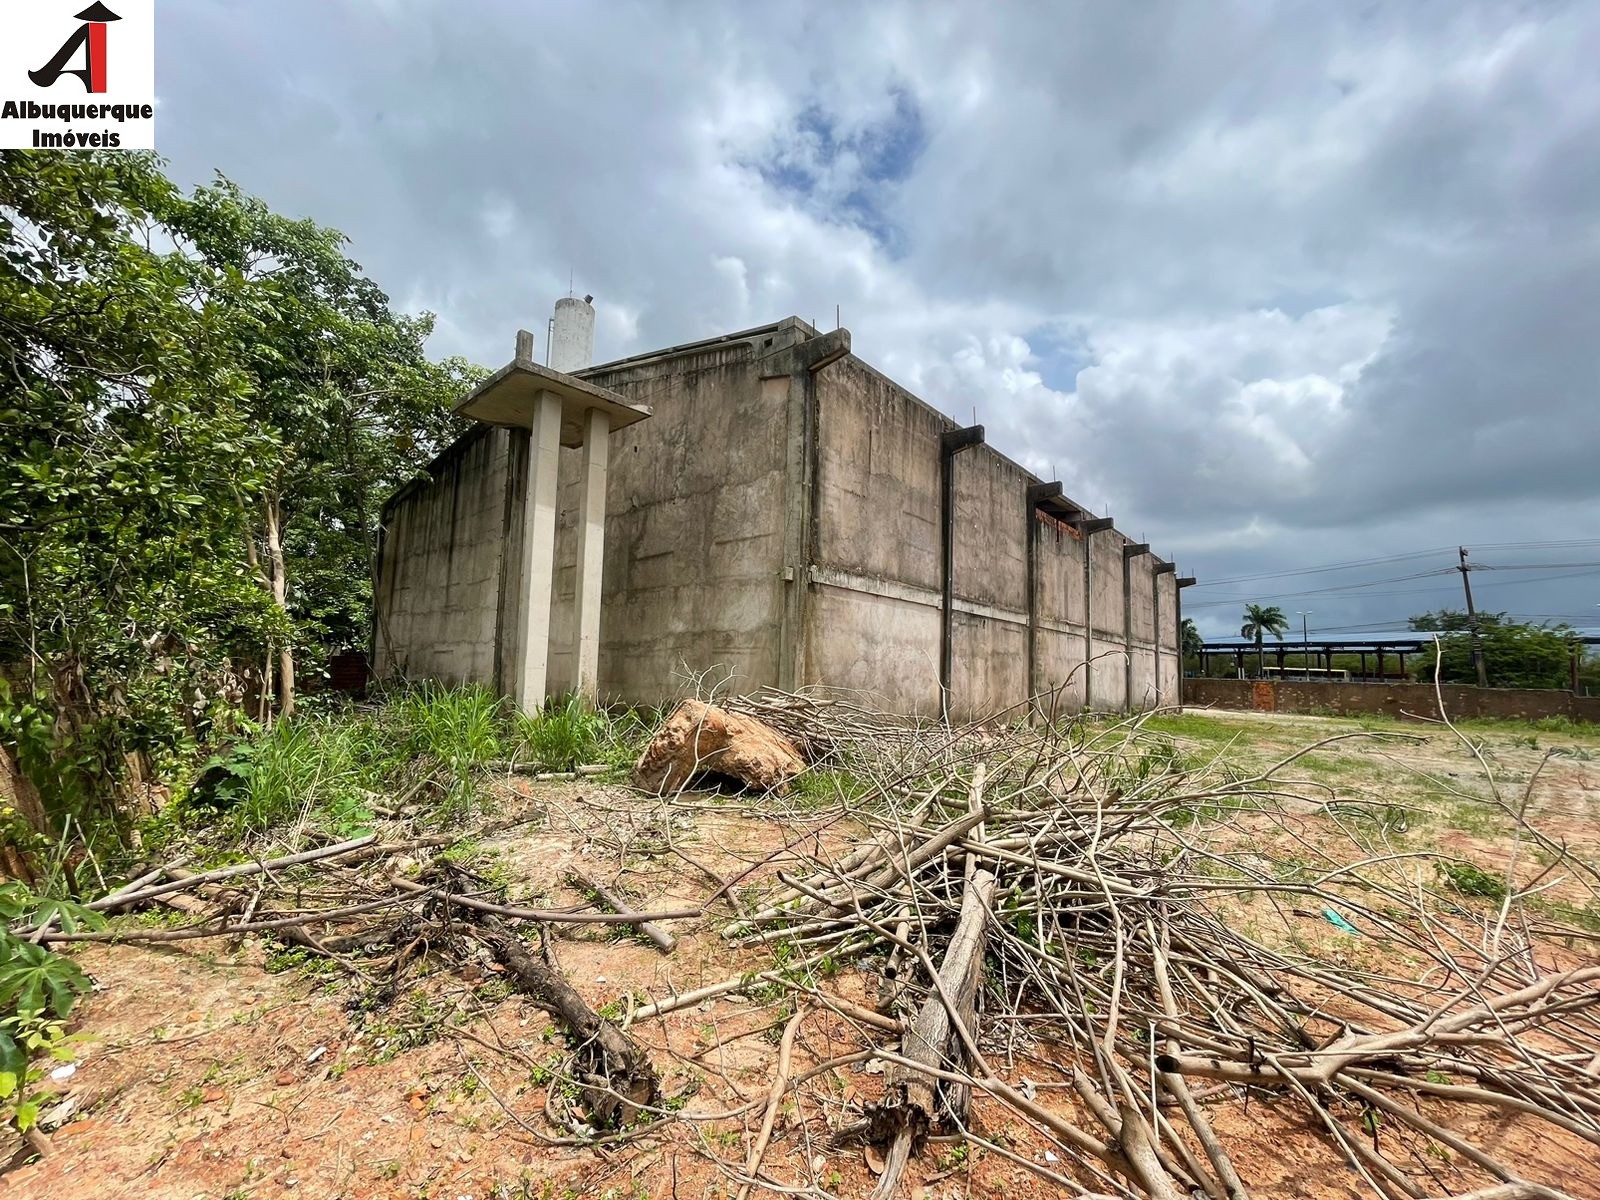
1305, 641
1472, 621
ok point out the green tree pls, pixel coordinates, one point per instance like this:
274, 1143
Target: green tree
201, 404
347, 394
1515, 655
1260, 621
1452, 620
131, 462
1190, 642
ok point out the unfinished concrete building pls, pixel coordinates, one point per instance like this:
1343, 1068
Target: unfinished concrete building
786, 516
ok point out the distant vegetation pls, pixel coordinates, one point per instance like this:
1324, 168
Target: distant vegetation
1515, 654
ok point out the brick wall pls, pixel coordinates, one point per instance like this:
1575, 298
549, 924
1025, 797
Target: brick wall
1402, 700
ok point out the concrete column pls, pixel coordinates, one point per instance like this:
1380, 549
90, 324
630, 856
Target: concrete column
591, 549
538, 550
1129, 553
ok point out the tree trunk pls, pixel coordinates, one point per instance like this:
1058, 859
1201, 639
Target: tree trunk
280, 596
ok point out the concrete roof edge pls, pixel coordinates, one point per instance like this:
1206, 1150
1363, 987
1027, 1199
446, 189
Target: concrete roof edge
684, 349
432, 468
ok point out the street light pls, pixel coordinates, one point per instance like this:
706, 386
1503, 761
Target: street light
1305, 642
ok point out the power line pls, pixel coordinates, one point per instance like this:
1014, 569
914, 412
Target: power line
1353, 564
1343, 566
1571, 571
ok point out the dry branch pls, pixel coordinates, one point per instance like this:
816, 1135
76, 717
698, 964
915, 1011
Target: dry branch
664, 941
615, 1074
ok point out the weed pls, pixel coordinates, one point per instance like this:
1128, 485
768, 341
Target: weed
824, 788
1469, 880
297, 958
300, 767
457, 729
564, 734
953, 1157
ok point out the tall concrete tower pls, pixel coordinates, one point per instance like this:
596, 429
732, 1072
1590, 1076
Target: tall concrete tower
572, 335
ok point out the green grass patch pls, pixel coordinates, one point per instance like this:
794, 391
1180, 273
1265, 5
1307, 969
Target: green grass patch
822, 788
566, 733
1200, 728
1468, 879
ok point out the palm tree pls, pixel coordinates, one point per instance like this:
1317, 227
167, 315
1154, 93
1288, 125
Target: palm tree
1260, 621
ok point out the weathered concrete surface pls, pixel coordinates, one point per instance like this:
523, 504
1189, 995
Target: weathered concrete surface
1403, 700
885, 647
781, 524
700, 739
439, 573
1109, 676
697, 501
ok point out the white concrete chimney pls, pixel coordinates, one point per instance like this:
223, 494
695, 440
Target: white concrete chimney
572, 335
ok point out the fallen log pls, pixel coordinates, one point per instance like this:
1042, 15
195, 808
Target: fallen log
910, 1108
616, 1078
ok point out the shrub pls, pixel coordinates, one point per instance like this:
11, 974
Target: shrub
565, 734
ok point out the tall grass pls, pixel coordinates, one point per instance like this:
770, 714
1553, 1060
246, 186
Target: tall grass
313, 766
432, 741
456, 729
564, 734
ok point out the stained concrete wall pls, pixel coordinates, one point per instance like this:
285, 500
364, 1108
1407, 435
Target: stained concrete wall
697, 505
1059, 612
439, 571
1168, 665
781, 525
873, 616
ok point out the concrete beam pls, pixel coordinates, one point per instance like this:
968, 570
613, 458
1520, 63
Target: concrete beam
538, 549
816, 353
1040, 492
1093, 525
591, 549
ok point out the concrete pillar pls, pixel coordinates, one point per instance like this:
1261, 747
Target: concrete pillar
538, 550
591, 549
1129, 553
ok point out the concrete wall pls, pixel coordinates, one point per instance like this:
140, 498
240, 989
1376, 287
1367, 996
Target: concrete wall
1169, 667
873, 615
439, 572
778, 519
1059, 594
1401, 700
697, 508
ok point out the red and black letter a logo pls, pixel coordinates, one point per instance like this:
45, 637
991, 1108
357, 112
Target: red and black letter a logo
92, 32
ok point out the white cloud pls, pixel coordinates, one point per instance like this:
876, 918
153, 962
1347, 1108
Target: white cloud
1274, 283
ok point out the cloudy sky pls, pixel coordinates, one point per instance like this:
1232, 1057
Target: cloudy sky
1278, 286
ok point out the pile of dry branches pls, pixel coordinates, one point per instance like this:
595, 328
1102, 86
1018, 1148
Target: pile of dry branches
1080, 906
1079, 893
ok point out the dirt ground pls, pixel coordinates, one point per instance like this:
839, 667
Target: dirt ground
225, 1072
